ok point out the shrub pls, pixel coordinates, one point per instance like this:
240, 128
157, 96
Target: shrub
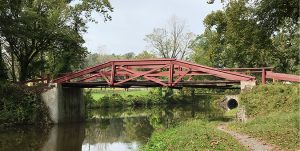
264, 99
20, 105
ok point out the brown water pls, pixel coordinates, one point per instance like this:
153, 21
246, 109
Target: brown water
118, 129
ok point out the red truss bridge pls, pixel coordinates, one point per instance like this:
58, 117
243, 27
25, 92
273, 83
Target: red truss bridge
151, 73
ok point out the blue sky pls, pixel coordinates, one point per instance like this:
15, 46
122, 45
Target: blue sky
133, 19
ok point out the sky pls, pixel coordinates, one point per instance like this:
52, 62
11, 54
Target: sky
133, 19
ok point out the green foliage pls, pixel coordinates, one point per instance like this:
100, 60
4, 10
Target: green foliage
98, 58
273, 13
18, 105
145, 55
139, 98
265, 99
89, 99
251, 34
192, 135
115, 100
46, 35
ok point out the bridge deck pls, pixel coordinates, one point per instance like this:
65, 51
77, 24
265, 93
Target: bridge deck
196, 84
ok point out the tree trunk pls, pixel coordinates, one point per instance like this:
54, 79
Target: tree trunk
23, 72
13, 72
3, 71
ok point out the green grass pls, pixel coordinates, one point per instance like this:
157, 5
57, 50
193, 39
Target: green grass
273, 112
99, 94
192, 135
231, 113
265, 99
280, 128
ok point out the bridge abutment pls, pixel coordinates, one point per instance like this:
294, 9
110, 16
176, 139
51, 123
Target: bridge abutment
66, 105
248, 84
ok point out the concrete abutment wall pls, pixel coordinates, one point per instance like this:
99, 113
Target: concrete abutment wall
66, 105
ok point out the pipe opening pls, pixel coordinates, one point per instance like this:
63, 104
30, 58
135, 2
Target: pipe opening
232, 103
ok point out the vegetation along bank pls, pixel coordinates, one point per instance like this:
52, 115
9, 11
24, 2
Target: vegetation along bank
273, 117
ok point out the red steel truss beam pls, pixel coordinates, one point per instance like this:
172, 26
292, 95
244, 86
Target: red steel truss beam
137, 74
216, 72
180, 77
81, 73
171, 73
158, 81
90, 78
162, 69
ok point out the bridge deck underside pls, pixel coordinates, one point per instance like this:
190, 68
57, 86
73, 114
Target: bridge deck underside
131, 84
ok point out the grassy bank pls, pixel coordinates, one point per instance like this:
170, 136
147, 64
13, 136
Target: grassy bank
21, 105
192, 135
98, 94
273, 112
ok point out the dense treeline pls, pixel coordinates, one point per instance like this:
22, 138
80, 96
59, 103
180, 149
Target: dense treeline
251, 34
44, 36
39, 37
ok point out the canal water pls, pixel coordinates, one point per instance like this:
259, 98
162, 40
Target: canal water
114, 129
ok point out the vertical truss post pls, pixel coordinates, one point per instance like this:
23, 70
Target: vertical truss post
171, 72
263, 76
112, 75
126, 76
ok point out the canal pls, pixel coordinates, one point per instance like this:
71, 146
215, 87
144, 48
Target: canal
106, 129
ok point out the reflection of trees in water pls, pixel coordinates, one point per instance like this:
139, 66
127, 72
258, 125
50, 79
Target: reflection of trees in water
137, 124
124, 125
23, 138
137, 128
118, 130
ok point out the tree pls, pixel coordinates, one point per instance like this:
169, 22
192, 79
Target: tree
247, 34
129, 55
173, 41
145, 55
3, 69
40, 30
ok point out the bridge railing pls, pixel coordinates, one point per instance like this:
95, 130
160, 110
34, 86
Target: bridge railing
267, 73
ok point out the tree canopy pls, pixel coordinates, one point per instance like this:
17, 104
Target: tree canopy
251, 34
45, 36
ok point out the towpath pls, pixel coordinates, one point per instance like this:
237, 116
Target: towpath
248, 141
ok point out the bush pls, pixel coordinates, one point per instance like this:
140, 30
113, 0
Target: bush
264, 99
20, 105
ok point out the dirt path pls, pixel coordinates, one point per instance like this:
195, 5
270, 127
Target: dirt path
251, 143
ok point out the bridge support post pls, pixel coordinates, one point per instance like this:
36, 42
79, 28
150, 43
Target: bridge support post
66, 105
